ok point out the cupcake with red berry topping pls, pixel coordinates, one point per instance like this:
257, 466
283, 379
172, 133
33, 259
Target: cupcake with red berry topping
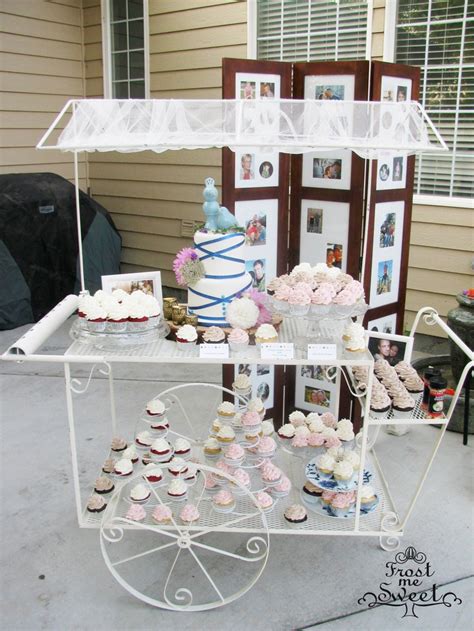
182, 448
144, 439
123, 467
162, 450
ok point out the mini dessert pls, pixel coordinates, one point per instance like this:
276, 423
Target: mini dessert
225, 434
327, 497
191, 473
226, 411
345, 430
131, 454
414, 384
178, 467
286, 431
237, 421
177, 489
96, 318
216, 425
297, 418
403, 405
234, 454
108, 466
280, 298
243, 477
140, 494
299, 441
316, 426
325, 464
189, 514
379, 403
223, 501
186, 337
143, 439
159, 424
368, 499
354, 338
329, 419
103, 485
117, 318
123, 467
266, 447
211, 485
162, 515
264, 501
315, 440
162, 449
302, 430
213, 335
147, 458
136, 513
336, 452
256, 405
271, 474
311, 492
282, 489
343, 471
96, 504
238, 341
137, 317
299, 300
352, 457
212, 449
182, 447
267, 428
118, 444
251, 422
155, 407
223, 466
242, 384
266, 334
341, 504
295, 514
152, 473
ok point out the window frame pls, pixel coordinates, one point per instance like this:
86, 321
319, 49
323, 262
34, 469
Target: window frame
107, 48
389, 50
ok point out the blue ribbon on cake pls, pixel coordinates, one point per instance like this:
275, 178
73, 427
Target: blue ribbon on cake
220, 254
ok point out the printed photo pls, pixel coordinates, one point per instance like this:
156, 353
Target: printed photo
384, 172
388, 95
256, 230
148, 282
263, 391
387, 231
256, 269
329, 92
267, 90
263, 369
384, 277
334, 255
313, 372
389, 348
245, 369
247, 162
247, 89
402, 91
314, 220
317, 396
327, 168
397, 172
266, 169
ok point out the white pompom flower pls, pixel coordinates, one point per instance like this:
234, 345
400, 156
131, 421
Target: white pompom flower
242, 313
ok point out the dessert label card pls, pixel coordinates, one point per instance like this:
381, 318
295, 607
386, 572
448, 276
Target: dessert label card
322, 351
278, 350
214, 351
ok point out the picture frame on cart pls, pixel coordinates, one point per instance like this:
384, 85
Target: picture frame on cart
262, 378
385, 324
391, 172
148, 282
314, 392
391, 347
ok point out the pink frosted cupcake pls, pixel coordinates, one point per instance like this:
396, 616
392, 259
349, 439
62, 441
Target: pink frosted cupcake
264, 501
243, 477
223, 501
211, 485
280, 299
136, 513
282, 489
266, 447
321, 299
271, 475
329, 420
162, 515
299, 441
341, 505
315, 440
234, 455
189, 514
295, 515
251, 422
238, 340
299, 301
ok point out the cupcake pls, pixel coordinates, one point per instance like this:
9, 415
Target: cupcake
103, 485
155, 407
403, 406
280, 299
182, 447
159, 425
143, 439
352, 457
414, 385
282, 489
238, 340
311, 492
234, 455
162, 515
354, 338
213, 335
177, 490
343, 472
190, 475
256, 405
96, 318
271, 475
96, 504
297, 418
118, 444
217, 425
266, 334
329, 420
117, 319
178, 467
267, 428
140, 494
299, 441
226, 411
345, 430
226, 434
341, 504
379, 404
109, 465
136, 513
315, 440
299, 301
302, 430
152, 473
221, 465
266, 447
295, 515
314, 422
162, 450
237, 422
286, 432
327, 497
368, 498
243, 477
251, 422
223, 501
131, 454
137, 317
264, 501
212, 449
211, 485
242, 385
325, 465
123, 467
186, 337
189, 514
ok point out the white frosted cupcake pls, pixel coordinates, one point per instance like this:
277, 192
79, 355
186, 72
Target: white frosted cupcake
343, 472
325, 465
242, 385
226, 411
266, 334
117, 319
186, 337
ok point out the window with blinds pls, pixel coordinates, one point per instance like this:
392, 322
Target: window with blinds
438, 36
305, 30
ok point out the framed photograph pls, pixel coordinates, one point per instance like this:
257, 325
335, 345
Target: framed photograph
324, 232
315, 393
261, 377
396, 89
386, 253
256, 169
386, 324
393, 348
329, 87
148, 282
391, 172
253, 85
259, 217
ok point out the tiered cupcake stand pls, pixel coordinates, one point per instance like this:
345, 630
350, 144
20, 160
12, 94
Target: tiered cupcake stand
193, 567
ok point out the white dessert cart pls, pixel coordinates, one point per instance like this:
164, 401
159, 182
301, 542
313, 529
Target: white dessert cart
134, 551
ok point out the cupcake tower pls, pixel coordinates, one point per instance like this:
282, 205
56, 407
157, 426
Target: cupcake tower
241, 444
305, 435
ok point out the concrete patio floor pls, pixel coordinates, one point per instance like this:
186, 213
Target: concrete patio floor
53, 575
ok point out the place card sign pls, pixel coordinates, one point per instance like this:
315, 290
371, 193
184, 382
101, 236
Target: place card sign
214, 351
322, 351
277, 350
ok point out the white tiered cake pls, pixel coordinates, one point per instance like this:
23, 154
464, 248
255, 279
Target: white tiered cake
222, 257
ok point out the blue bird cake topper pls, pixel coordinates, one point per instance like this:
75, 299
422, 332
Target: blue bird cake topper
217, 217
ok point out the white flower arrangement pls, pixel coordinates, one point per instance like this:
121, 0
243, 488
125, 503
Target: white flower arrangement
242, 313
